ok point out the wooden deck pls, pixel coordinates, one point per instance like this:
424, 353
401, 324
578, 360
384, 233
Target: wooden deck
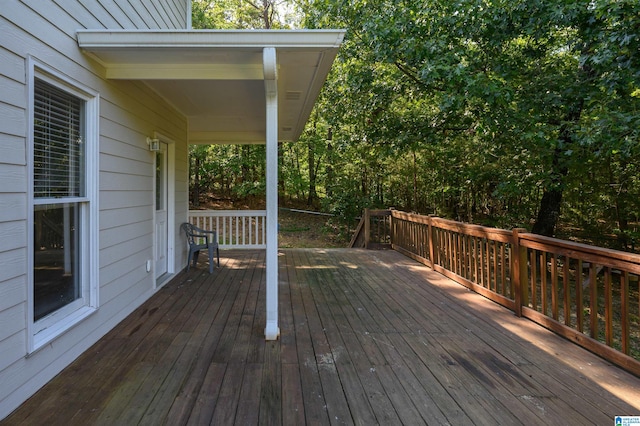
367, 337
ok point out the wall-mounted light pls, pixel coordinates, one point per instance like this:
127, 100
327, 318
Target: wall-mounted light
154, 144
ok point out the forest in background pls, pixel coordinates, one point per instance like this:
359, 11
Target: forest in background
520, 113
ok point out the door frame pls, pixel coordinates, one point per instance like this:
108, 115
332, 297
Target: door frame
171, 210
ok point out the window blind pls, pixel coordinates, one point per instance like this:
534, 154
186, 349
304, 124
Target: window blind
58, 142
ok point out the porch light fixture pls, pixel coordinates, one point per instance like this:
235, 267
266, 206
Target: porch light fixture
154, 144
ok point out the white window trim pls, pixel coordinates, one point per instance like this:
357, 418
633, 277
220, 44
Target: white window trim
43, 331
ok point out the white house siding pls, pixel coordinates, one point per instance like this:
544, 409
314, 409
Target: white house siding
129, 112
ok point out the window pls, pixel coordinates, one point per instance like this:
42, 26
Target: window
64, 238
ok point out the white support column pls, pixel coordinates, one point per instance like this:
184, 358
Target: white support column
272, 331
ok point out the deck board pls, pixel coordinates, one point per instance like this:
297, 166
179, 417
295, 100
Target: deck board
367, 337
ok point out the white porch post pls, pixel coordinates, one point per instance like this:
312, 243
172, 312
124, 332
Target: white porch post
271, 331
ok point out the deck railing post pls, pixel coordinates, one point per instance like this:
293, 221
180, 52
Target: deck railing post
519, 273
391, 225
367, 228
430, 240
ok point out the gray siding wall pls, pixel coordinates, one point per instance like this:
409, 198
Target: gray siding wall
129, 112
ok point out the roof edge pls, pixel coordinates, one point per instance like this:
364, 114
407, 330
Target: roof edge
101, 38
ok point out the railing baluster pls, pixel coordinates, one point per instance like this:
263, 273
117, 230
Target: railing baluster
543, 283
579, 298
554, 286
608, 307
534, 279
234, 227
624, 311
566, 289
593, 314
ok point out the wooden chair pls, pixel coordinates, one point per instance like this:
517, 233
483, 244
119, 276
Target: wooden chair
199, 239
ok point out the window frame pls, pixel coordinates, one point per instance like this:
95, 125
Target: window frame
46, 329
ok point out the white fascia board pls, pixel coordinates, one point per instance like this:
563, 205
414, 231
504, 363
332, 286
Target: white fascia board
112, 39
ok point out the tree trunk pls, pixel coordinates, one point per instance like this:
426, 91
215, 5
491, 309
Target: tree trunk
313, 195
414, 203
196, 183
330, 175
549, 213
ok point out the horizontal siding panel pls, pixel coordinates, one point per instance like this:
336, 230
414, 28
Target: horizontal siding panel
13, 235
177, 11
114, 218
151, 113
58, 50
148, 9
119, 150
132, 247
13, 120
37, 31
12, 65
138, 12
126, 166
117, 141
14, 264
12, 320
121, 199
162, 17
13, 178
13, 149
113, 8
149, 105
12, 349
13, 92
88, 14
117, 235
137, 22
13, 292
110, 181
13, 207
72, 16
119, 278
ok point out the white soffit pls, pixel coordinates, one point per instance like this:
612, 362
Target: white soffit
215, 77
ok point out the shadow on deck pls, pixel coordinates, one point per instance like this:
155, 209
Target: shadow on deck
367, 337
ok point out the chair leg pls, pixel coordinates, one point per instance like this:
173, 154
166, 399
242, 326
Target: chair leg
189, 260
218, 253
211, 264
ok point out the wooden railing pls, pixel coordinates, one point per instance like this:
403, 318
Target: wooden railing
587, 294
373, 230
244, 229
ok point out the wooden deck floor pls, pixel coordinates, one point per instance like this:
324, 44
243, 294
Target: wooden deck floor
368, 337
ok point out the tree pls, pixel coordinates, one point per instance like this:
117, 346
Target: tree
534, 80
243, 14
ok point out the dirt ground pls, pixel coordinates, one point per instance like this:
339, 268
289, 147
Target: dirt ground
306, 230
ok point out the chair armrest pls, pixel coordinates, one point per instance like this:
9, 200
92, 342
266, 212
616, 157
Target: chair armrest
202, 233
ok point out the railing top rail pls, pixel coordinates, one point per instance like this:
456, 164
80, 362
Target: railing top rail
600, 255
497, 234
479, 231
236, 213
380, 212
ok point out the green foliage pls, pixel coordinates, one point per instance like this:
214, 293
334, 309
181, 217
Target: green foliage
473, 110
477, 110
243, 14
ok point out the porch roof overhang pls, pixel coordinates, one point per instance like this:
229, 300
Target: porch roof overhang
216, 78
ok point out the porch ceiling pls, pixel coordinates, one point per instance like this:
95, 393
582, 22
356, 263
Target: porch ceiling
215, 77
